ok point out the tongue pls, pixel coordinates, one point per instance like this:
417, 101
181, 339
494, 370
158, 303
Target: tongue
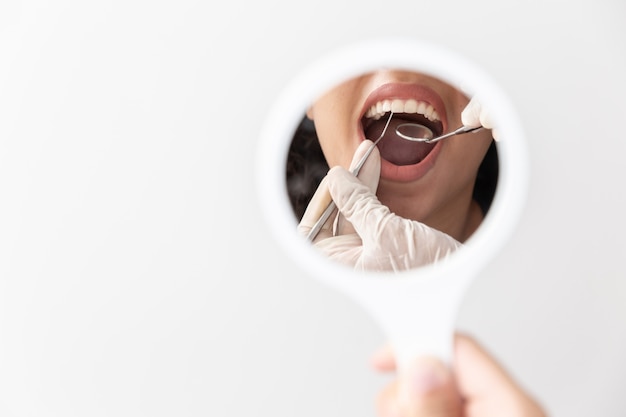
395, 149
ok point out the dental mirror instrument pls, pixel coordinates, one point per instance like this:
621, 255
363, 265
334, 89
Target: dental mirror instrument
331, 206
419, 133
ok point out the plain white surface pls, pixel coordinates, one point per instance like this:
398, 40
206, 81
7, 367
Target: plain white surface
137, 276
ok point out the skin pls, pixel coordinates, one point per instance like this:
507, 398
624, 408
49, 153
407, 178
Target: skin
442, 198
475, 386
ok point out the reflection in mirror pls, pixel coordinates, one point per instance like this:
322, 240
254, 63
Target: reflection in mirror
414, 202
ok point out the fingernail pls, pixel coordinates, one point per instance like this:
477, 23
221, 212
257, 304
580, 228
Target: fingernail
425, 375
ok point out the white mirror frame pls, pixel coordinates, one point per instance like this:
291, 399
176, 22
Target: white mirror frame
349, 62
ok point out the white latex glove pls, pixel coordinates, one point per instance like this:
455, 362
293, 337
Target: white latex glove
367, 235
475, 114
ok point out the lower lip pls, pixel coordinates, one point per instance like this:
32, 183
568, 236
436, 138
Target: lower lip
407, 173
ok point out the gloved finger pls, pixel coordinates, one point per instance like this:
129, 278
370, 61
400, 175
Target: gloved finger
390, 242
345, 249
356, 202
475, 114
370, 171
369, 175
320, 200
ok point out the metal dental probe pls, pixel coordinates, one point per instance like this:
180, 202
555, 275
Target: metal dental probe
355, 171
460, 130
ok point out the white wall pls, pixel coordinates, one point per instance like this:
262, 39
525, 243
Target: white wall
137, 276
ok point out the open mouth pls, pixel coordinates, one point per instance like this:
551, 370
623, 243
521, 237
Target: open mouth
392, 147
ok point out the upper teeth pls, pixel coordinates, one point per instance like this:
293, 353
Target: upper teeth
402, 106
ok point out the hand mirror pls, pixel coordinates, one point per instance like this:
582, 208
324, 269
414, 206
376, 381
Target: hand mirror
337, 100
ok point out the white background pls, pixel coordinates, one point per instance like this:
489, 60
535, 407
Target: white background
137, 275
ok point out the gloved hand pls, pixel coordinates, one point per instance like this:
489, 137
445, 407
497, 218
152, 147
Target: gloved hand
475, 114
366, 234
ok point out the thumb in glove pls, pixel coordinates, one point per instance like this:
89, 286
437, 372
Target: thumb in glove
475, 115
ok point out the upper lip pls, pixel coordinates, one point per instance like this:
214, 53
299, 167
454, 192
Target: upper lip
423, 104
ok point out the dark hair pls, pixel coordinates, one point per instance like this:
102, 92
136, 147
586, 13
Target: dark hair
487, 178
307, 166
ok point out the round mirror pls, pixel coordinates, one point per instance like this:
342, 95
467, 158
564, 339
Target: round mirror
455, 189
424, 215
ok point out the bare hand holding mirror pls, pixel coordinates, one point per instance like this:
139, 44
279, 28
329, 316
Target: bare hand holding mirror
411, 231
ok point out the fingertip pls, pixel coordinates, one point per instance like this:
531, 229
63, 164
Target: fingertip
362, 149
462, 338
477, 370
485, 120
425, 375
383, 359
480, 377
427, 387
470, 116
338, 173
369, 172
495, 133
386, 401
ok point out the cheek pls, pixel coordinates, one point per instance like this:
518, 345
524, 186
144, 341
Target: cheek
467, 156
337, 154
336, 149
481, 146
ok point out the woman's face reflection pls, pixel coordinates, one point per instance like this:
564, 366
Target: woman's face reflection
432, 184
